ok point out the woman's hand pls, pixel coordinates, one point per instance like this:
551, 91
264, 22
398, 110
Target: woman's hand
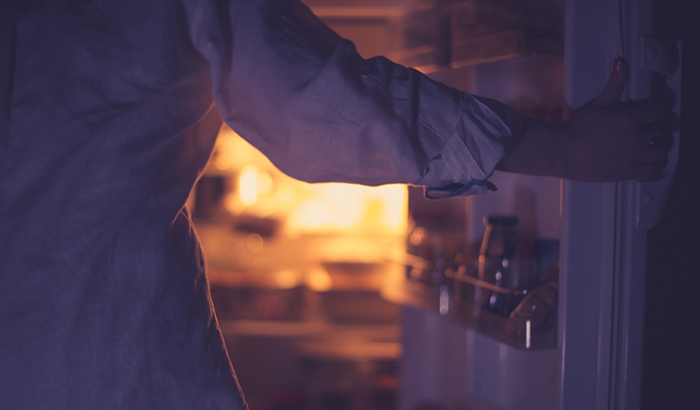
604, 141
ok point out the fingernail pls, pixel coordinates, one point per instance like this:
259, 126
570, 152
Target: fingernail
617, 64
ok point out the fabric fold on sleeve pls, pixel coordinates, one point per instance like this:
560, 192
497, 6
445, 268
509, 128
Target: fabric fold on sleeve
328, 115
486, 132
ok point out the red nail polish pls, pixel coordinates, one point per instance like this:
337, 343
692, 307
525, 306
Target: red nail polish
617, 65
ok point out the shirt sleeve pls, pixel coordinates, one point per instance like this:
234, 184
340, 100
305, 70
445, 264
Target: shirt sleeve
322, 113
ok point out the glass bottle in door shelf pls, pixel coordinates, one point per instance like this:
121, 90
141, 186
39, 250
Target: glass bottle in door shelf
495, 258
508, 263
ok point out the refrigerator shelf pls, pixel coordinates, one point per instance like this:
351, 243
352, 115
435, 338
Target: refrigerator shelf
501, 46
453, 34
531, 325
479, 50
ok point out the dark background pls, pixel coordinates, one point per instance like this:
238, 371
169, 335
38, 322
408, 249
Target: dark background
671, 365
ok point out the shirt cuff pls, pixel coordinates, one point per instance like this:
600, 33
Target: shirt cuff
474, 187
485, 134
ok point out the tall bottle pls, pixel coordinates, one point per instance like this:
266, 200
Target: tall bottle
495, 262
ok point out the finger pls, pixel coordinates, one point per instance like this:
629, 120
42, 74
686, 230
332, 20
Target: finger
652, 155
662, 141
616, 84
650, 170
649, 113
655, 137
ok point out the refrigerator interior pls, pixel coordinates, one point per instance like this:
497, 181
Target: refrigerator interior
295, 339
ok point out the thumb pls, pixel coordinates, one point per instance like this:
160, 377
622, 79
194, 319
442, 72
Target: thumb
616, 84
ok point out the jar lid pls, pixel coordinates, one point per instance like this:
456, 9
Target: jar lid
500, 220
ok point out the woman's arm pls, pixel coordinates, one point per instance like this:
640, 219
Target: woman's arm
604, 141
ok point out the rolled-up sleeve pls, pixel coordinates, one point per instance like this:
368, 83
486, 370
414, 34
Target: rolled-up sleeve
325, 114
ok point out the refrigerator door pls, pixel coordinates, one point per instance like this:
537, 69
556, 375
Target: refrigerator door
604, 236
588, 225
597, 362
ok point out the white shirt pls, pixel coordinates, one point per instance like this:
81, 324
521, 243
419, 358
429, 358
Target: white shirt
108, 115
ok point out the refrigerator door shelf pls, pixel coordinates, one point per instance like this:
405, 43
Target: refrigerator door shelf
532, 325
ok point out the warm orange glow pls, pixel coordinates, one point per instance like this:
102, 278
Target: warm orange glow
254, 242
417, 236
350, 208
285, 279
319, 280
248, 185
262, 190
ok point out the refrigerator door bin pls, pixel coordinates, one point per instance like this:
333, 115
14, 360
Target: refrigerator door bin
531, 324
